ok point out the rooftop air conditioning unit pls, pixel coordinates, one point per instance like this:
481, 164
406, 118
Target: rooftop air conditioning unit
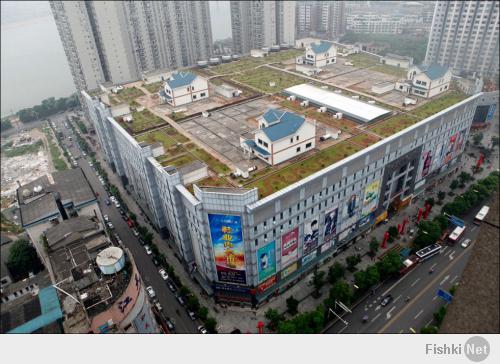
355, 97
322, 109
272, 84
339, 115
324, 87
371, 102
338, 91
304, 103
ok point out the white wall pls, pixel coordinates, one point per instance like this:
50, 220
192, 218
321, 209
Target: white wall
284, 149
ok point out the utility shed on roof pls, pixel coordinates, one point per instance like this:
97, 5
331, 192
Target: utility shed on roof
352, 108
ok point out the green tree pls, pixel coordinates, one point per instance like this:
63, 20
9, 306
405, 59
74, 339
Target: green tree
430, 201
274, 318
477, 138
192, 303
148, 237
202, 313
429, 330
340, 292
439, 315
374, 245
442, 221
23, 260
211, 325
318, 282
389, 265
360, 280
441, 195
393, 231
335, 272
454, 184
133, 217
428, 233
292, 305
352, 261
184, 291
372, 276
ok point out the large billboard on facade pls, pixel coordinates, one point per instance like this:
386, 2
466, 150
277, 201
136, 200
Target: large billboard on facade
425, 164
438, 156
229, 249
311, 235
370, 201
266, 261
308, 258
350, 212
289, 247
331, 217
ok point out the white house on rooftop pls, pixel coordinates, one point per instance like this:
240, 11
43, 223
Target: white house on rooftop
426, 81
319, 54
182, 88
281, 135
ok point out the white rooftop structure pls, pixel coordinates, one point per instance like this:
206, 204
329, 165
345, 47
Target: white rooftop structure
350, 107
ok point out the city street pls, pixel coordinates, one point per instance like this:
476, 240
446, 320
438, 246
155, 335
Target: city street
149, 273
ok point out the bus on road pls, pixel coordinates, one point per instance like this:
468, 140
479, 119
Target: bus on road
428, 251
481, 215
456, 235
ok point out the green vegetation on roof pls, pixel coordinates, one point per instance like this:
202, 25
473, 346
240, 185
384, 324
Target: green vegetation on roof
10, 151
260, 80
399, 122
129, 94
143, 120
362, 60
284, 177
153, 87
246, 63
390, 70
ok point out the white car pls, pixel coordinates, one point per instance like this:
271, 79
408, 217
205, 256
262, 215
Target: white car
135, 232
112, 198
110, 225
465, 243
106, 218
202, 330
151, 292
163, 274
91, 164
148, 250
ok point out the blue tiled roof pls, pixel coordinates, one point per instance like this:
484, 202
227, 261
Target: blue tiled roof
434, 71
255, 147
288, 124
181, 79
322, 47
273, 115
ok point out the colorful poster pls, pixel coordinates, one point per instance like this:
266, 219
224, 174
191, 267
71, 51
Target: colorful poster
370, 200
449, 149
331, 223
229, 249
289, 247
266, 261
308, 258
267, 284
349, 215
326, 246
436, 160
311, 235
425, 164
289, 270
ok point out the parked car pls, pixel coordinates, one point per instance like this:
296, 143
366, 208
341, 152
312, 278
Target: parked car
142, 242
170, 323
122, 212
171, 286
148, 250
110, 225
151, 292
155, 262
106, 218
163, 274
192, 315
466, 243
117, 204
180, 300
91, 164
112, 198
131, 225
386, 300
202, 330
158, 306
135, 232
107, 202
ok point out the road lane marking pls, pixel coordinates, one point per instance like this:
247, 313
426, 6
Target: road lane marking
376, 317
422, 291
412, 330
398, 282
454, 279
429, 322
416, 281
402, 330
444, 280
444, 249
452, 255
434, 265
434, 298
377, 308
418, 314
342, 329
388, 314
397, 298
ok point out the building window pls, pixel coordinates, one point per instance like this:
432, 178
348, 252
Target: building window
308, 145
291, 140
297, 137
202, 94
298, 149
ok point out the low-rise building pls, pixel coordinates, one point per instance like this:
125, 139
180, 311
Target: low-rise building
319, 54
183, 88
259, 53
397, 60
281, 135
425, 81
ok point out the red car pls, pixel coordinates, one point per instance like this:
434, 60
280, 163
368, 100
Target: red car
130, 223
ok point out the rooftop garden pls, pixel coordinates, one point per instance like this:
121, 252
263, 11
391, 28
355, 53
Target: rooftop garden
399, 122
390, 70
168, 137
292, 173
260, 80
129, 94
153, 87
246, 63
362, 60
143, 120
364, 139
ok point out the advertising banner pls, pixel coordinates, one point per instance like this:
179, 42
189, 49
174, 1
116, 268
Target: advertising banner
326, 246
309, 258
331, 223
229, 249
289, 247
436, 160
266, 284
344, 234
425, 164
450, 148
311, 235
370, 201
366, 219
266, 261
289, 270
349, 214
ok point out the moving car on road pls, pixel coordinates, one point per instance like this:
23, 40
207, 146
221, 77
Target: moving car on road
148, 250
202, 330
465, 243
386, 300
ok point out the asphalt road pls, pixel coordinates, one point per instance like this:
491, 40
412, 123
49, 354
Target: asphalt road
402, 316
148, 271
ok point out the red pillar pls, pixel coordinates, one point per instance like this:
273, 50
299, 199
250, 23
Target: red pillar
260, 327
384, 242
405, 221
480, 161
427, 210
399, 228
419, 216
